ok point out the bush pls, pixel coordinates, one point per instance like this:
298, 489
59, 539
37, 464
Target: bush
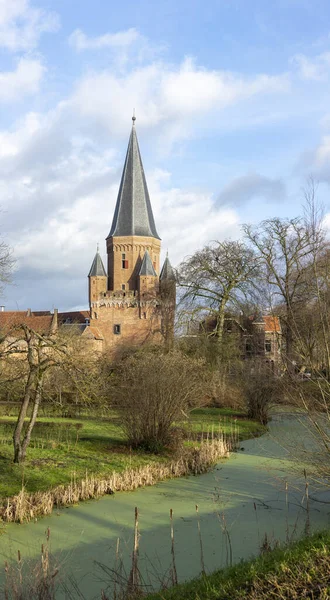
261, 390
225, 392
152, 391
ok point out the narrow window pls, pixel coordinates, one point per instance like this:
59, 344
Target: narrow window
124, 262
116, 329
123, 287
268, 346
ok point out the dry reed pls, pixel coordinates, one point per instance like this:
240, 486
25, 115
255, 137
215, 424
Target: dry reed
27, 506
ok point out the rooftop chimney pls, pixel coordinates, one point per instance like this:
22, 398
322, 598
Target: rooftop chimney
54, 323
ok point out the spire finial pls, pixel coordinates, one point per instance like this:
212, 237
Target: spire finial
167, 253
134, 117
97, 247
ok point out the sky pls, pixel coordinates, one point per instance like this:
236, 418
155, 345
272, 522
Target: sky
232, 99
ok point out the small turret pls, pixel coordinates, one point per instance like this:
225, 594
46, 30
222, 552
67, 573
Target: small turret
147, 268
148, 279
167, 281
97, 278
167, 273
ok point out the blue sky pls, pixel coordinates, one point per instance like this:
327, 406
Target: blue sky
233, 116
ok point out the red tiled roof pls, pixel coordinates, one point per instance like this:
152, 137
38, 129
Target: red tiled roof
272, 324
96, 333
10, 319
92, 332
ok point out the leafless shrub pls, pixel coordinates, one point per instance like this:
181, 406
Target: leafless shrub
152, 391
261, 390
225, 391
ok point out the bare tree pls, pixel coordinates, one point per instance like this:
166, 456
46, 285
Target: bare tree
216, 276
286, 248
6, 264
39, 354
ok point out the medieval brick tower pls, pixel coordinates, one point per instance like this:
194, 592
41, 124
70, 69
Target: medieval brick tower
133, 300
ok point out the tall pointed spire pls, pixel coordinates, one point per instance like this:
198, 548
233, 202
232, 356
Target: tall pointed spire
133, 212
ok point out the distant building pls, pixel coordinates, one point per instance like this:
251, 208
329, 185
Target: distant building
258, 336
264, 339
133, 301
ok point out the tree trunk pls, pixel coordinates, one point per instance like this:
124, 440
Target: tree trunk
27, 437
289, 341
22, 414
220, 321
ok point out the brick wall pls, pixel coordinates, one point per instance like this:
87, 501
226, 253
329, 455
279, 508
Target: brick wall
130, 249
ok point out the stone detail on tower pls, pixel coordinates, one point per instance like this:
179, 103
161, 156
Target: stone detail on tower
126, 302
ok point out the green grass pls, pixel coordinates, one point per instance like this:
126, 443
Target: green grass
298, 571
60, 447
203, 419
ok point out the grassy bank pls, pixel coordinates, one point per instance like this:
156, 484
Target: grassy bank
191, 461
298, 571
63, 448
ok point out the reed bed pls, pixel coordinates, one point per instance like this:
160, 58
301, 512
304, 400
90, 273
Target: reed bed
193, 461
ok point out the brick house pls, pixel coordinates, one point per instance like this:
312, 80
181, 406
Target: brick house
257, 336
263, 338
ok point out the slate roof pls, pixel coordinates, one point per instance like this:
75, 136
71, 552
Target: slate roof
258, 317
78, 316
167, 272
133, 212
97, 269
147, 268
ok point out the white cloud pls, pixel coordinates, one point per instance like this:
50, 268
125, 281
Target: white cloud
312, 69
317, 161
248, 187
80, 41
322, 153
23, 81
164, 94
21, 24
61, 171
64, 192
74, 229
13, 142
188, 219
191, 89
